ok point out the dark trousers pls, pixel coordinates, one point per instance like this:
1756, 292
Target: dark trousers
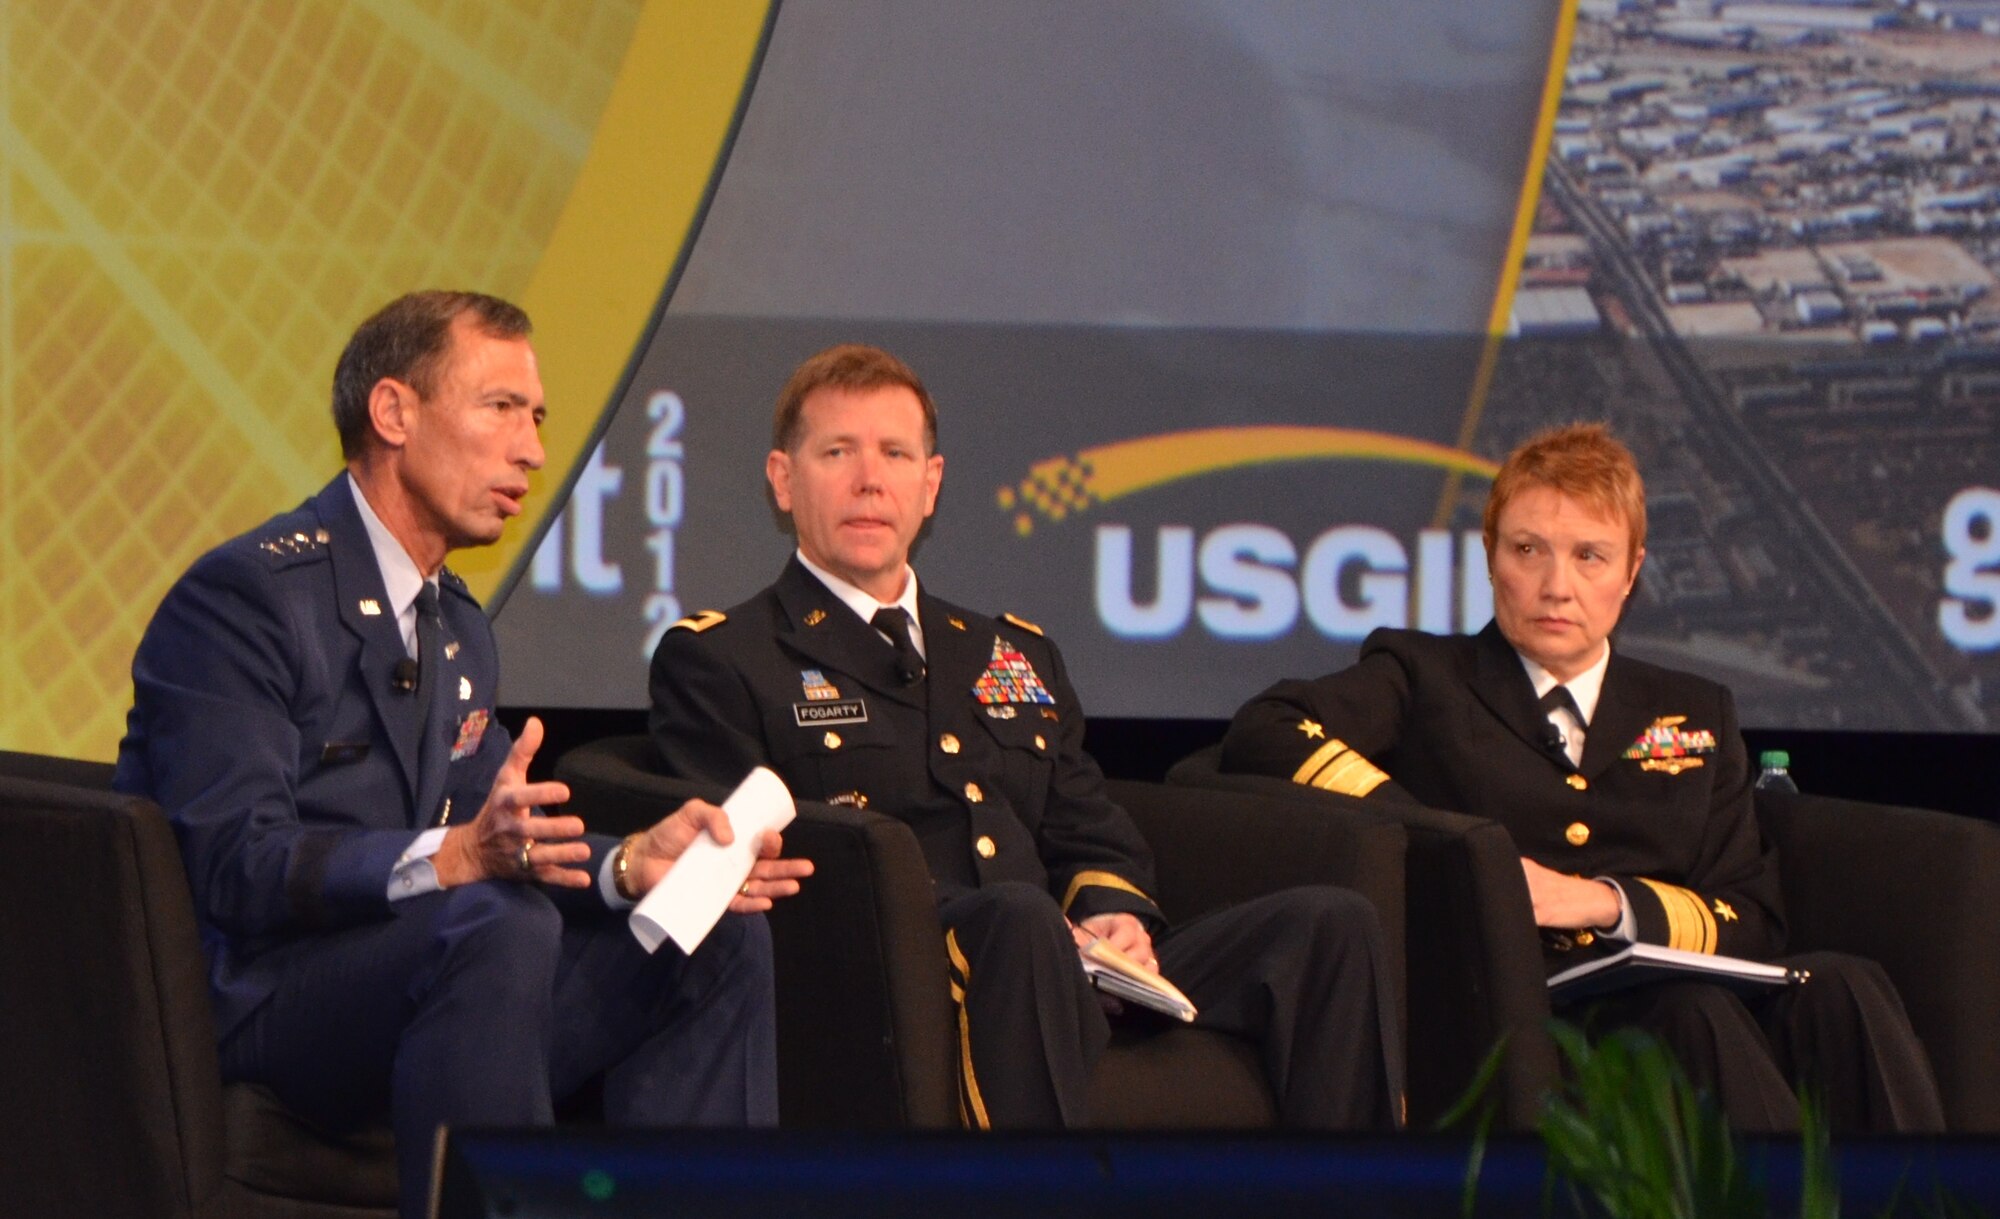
1302, 973
1843, 1034
482, 1004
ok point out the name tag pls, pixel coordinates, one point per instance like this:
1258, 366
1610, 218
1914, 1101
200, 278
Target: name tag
845, 711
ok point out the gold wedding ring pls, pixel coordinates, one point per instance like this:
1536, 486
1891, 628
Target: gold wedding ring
523, 864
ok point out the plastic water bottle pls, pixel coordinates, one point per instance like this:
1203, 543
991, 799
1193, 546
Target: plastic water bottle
1776, 775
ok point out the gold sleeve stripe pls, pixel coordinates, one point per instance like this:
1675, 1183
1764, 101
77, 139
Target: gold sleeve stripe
1351, 775
1107, 880
1690, 925
1320, 757
971, 1105
1336, 768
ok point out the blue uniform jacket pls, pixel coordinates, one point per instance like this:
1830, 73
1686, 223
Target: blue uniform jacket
266, 722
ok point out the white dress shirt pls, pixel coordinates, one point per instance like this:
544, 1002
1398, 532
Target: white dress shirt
1586, 688
865, 605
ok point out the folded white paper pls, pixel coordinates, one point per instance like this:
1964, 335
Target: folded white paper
695, 892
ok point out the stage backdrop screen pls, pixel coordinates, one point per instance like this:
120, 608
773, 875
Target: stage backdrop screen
1231, 310
1230, 307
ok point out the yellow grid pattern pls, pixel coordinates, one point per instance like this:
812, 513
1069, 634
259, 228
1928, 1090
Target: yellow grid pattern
198, 201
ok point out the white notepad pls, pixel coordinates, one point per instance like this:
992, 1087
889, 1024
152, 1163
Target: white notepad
685, 906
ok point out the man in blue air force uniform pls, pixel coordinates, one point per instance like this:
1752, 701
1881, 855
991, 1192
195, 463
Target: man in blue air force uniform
392, 925
861, 688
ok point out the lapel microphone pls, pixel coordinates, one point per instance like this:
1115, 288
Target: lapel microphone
403, 678
1552, 741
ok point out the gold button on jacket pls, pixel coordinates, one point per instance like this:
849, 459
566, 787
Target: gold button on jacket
984, 845
1578, 833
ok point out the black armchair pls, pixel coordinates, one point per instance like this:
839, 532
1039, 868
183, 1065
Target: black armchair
866, 1028
1475, 965
115, 1101
1915, 891
1910, 889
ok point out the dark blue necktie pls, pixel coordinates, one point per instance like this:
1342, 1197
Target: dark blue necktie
428, 659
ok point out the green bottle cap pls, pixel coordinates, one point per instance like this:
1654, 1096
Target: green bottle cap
1774, 759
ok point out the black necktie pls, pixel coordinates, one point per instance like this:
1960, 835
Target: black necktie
1561, 697
894, 622
428, 657
1556, 740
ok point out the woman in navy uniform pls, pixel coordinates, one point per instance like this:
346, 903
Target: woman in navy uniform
1625, 785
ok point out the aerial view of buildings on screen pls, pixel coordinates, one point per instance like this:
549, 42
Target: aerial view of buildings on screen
1770, 233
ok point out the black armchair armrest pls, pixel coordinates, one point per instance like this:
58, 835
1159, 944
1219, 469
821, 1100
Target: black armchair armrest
859, 947
110, 1039
1474, 961
1916, 892
1217, 848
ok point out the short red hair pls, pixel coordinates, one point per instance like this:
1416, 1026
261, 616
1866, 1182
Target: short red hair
1584, 462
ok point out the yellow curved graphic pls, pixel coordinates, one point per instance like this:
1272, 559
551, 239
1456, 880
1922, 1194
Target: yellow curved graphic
1517, 247
198, 201
623, 228
1061, 487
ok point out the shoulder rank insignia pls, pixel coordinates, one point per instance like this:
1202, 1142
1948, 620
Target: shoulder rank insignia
1021, 622
1664, 739
700, 622
287, 545
450, 579
1009, 678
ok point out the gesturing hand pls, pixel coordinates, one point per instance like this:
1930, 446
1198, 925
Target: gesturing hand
507, 841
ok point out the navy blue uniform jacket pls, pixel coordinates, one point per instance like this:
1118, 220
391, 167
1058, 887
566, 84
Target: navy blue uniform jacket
266, 723
1661, 802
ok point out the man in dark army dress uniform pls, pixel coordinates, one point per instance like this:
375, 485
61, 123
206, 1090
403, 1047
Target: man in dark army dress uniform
861, 688
1626, 787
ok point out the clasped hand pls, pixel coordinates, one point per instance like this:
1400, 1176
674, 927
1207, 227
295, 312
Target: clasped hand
1569, 902
510, 840
1125, 933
